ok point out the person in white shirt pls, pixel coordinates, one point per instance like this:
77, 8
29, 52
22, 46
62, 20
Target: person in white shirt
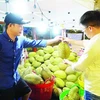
89, 62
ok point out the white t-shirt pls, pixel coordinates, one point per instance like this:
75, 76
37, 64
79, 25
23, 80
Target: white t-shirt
89, 64
85, 43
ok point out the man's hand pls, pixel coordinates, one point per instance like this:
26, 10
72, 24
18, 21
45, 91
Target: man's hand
58, 39
66, 61
54, 41
67, 40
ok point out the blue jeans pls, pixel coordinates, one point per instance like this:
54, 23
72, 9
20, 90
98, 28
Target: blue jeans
90, 96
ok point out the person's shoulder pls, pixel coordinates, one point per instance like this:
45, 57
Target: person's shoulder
1, 36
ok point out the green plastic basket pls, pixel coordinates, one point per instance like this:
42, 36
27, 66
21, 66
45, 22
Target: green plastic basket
63, 94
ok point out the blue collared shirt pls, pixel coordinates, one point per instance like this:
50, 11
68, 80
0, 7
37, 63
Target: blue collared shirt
10, 55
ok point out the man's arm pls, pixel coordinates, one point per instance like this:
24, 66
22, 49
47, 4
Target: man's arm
40, 43
76, 42
84, 61
54, 41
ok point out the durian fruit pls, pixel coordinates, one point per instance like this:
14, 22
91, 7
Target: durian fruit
63, 50
46, 73
33, 78
40, 52
56, 91
49, 49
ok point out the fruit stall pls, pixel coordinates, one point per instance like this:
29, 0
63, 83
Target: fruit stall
44, 69
49, 77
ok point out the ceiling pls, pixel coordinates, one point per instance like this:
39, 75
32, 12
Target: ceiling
65, 13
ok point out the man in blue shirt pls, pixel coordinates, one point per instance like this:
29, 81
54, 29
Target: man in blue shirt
11, 46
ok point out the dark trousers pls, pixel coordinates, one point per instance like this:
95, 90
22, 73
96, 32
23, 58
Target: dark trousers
14, 93
7, 94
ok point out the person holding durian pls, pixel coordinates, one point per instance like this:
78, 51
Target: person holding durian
12, 86
89, 62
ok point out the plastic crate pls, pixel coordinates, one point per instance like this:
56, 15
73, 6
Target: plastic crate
41, 91
66, 92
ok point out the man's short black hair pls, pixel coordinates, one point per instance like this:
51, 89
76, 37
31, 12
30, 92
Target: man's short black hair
90, 18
